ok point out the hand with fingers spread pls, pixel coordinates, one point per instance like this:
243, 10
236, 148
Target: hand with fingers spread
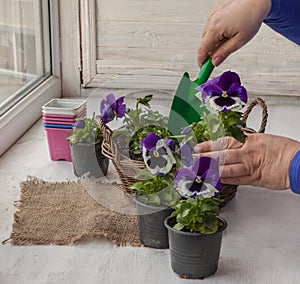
230, 25
263, 160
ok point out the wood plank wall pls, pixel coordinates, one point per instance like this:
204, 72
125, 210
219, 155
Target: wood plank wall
150, 43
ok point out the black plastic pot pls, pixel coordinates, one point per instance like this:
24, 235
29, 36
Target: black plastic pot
194, 255
152, 232
88, 158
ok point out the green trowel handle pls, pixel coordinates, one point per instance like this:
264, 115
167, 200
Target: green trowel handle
205, 71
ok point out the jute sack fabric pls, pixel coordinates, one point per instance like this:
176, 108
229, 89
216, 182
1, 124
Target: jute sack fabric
63, 213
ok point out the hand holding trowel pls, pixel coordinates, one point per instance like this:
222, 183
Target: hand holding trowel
186, 107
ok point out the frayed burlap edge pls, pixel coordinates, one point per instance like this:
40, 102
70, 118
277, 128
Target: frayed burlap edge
122, 231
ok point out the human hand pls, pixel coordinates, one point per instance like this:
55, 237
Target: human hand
230, 25
263, 160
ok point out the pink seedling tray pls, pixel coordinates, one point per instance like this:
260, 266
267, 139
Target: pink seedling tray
60, 122
59, 147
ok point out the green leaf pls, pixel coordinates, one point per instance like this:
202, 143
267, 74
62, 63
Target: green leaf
178, 226
142, 199
154, 199
165, 196
186, 212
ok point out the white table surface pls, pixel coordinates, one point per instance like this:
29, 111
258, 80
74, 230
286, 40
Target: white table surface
260, 245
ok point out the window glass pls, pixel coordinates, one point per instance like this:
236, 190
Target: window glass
24, 48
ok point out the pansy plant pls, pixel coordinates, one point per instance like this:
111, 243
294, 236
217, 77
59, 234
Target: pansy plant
224, 97
137, 122
85, 130
199, 185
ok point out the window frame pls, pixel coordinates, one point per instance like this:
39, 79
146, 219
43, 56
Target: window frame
19, 118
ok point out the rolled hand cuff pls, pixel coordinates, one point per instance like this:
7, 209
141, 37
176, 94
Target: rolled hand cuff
294, 173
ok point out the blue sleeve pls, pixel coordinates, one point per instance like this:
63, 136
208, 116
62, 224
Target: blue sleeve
284, 18
294, 173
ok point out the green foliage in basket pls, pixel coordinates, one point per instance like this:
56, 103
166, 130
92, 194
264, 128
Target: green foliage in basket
139, 135
143, 115
137, 123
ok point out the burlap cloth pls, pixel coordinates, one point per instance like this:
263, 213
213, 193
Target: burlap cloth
63, 213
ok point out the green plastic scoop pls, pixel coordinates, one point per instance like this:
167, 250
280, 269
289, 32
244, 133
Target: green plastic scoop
186, 108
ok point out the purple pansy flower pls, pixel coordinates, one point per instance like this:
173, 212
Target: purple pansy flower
157, 154
111, 108
202, 178
186, 155
223, 93
80, 124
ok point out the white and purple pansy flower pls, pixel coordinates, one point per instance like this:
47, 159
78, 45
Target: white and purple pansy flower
111, 108
157, 155
200, 179
223, 93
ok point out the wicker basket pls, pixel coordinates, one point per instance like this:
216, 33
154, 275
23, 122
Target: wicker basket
127, 168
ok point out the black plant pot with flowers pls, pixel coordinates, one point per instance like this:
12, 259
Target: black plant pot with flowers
194, 255
88, 158
152, 232
85, 140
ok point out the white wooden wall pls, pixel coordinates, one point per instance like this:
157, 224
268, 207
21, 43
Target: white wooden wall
150, 43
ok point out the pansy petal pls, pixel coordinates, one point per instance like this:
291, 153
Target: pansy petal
213, 178
197, 187
201, 165
80, 124
236, 90
213, 81
227, 79
209, 192
184, 174
210, 91
186, 130
218, 107
120, 107
154, 162
106, 112
183, 188
170, 144
243, 95
110, 98
186, 155
149, 142
220, 101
